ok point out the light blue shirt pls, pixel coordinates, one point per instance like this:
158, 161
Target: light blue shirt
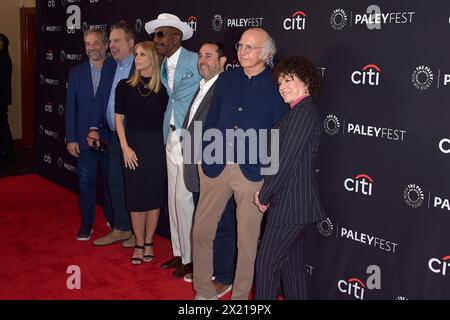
122, 72
95, 75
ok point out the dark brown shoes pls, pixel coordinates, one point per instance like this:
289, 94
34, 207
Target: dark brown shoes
172, 263
182, 270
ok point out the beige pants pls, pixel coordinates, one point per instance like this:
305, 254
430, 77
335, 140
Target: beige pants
214, 195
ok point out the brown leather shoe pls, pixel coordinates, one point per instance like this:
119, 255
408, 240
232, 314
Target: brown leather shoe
182, 270
112, 237
172, 263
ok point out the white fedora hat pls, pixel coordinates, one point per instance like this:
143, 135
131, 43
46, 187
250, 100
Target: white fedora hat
169, 20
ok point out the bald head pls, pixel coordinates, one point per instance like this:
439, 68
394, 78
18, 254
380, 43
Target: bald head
257, 48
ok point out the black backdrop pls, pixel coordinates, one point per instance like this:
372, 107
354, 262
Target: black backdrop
385, 106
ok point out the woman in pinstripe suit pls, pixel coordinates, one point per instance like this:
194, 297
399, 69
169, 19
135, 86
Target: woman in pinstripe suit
290, 198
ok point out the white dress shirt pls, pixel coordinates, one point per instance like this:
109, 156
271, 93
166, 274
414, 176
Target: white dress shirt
203, 89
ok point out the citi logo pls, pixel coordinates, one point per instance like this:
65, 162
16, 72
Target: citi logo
49, 55
192, 22
440, 266
48, 107
232, 65
48, 158
356, 287
51, 3
370, 74
362, 183
296, 22
444, 145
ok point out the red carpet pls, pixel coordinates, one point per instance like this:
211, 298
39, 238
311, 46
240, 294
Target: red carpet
39, 222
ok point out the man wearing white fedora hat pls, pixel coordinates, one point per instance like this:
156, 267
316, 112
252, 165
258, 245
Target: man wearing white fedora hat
181, 78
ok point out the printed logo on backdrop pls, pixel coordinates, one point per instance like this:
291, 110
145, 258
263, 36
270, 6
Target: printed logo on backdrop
44, 80
50, 133
48, 107
369, 75
66, 2
362, 183
220, 23
70, 56
415, 197
325, 227
422, 77
46, 28
192, 22
297, 21
41, 129
375, 18
61, 110
444, 145
367, 239
138, 26
440, 266
309, 269
338, 19
232, 65
49, 55
332, 125
51, 3
64, 165
356, 288
48, 158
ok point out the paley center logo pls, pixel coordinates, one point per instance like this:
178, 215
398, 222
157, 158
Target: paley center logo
444, 145
46, 28
361, 183
413, 195
70, 56
440, 265
356, 288
297, 21
192, 22
331, 124
64, 165
338, 19
50, 133
374, 17
221, 23
369, 74
138, 25
325, 227
367, 239
423, 78
43, 79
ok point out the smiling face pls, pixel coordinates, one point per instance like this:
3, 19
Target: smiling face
120, 46
143, 60
167, 40
209, 64
95, 47
291, 87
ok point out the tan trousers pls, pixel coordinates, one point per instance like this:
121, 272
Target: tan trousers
214, 195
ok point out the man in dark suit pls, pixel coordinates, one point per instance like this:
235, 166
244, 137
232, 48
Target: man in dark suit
121, 43
245, 99
84, 84
211, 62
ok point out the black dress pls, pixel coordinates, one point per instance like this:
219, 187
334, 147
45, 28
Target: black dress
145, 187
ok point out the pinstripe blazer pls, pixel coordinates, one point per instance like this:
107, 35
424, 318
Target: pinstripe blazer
293, 192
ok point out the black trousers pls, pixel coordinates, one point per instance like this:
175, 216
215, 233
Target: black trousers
6, 141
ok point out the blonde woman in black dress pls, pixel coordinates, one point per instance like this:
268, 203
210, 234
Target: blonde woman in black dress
140, 105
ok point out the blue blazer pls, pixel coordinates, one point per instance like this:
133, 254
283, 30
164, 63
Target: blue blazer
185, 84
98, 119
80, 101
242, 103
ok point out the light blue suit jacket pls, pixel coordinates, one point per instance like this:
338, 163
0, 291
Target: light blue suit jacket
185, 84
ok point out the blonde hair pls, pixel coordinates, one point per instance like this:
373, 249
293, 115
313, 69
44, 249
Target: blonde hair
155, 81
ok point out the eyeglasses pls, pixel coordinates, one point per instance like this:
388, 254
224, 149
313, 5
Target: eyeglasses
246, 49
160, 34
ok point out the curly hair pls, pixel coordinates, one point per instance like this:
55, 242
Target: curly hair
303, 68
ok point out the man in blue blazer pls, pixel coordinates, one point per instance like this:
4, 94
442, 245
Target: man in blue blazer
180, 76
121, 43
245, 99
85, 83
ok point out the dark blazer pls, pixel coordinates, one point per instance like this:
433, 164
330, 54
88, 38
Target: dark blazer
191, 178
80, 106
98, 119
293, 192
242, 103
5, 78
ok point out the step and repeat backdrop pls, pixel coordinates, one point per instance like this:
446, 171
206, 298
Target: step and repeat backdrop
385, 154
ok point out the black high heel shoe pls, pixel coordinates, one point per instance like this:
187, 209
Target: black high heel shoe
148, 257
137, 261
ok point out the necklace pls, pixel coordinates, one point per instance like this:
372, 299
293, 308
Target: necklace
145, 87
